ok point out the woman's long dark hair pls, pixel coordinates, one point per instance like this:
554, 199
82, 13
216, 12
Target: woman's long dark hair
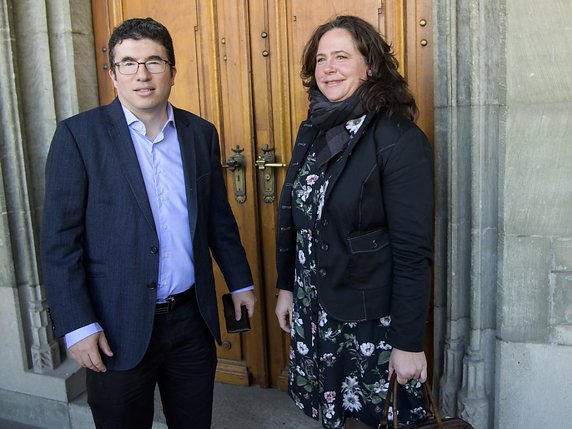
385, 89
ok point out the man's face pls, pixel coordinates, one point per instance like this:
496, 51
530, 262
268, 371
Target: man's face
145, 94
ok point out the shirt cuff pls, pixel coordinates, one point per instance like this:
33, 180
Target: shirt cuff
244, 289
81, 333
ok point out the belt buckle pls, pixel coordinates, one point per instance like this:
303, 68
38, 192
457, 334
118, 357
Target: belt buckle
170, 301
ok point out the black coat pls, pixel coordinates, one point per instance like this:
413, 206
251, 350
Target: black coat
376, 230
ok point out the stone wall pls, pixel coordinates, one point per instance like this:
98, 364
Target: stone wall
503, 113
468, 63
47, 60
534, 338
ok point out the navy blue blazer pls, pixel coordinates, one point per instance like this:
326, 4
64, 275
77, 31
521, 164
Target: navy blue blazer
375, 247
99, 246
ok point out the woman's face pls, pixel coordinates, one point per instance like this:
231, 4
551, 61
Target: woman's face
340, 67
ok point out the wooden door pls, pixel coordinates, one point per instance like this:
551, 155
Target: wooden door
238, 64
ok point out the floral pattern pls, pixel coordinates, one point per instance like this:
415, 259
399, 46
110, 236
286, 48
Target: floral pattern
337, 369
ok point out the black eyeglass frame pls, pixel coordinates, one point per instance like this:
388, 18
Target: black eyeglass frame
165, 63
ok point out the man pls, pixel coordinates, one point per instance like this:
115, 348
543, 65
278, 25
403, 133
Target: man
135, 204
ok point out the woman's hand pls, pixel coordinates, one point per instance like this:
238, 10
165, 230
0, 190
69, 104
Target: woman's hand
408, 365
284, 309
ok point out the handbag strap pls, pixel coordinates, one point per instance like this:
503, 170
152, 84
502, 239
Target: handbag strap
392, 393
432, 407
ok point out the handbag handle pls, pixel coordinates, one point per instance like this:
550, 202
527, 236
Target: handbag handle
392, 391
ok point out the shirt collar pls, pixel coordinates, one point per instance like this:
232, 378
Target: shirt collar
135, 123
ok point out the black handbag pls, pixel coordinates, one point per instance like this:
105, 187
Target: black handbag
434, 420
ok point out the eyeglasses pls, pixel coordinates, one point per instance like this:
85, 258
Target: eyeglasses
132, 67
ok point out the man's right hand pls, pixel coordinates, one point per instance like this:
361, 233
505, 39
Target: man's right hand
86, 352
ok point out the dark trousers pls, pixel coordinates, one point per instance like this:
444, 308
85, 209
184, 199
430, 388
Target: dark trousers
181, 359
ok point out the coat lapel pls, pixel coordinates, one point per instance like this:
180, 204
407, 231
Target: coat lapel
347, 153
304, 140
189, 157
123, 146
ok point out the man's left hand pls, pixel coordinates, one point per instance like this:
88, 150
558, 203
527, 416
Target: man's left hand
243, 298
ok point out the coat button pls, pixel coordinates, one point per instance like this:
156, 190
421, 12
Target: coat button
152, 285
325, 222
324, 247
374, 244
154, 250
323, 272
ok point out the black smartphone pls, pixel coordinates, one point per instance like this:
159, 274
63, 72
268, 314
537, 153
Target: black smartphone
232, 325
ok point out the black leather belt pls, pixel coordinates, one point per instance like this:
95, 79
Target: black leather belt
174, 301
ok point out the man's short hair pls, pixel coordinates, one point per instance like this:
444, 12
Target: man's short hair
142, 28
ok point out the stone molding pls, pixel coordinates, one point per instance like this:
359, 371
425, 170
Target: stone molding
469, 37
46, 52
18, 199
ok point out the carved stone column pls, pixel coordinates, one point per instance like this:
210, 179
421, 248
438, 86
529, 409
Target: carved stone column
469, 44
45, 350
18, 203
46, 52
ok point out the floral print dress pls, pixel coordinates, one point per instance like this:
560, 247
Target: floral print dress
337, 369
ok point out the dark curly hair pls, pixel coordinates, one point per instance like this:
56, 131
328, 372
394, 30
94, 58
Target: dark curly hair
385, 89
142, 28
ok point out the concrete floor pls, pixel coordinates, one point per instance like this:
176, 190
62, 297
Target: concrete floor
238, 407
235, 407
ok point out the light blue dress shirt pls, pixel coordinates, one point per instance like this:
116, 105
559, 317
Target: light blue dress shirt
162, 169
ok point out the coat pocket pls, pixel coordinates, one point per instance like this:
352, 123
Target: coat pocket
370, 264
373, 241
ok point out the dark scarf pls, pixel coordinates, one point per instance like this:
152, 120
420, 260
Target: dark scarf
331, 118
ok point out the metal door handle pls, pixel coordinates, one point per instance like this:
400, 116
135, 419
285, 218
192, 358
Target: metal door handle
268, 161
237, 163
262, 164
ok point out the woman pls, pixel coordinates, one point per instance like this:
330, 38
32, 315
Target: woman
354, 242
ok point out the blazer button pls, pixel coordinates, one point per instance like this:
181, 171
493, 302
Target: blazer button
323, 272
154, 250
324, 247
325, 222
152, 285
374, 244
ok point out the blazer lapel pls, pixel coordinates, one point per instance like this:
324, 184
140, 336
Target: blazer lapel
354, 140
123, 145
304, 140
189, 158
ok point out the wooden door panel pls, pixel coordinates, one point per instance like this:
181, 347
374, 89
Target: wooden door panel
237, 130
272, 111
419, 74
419, 60
105, 14
238, 66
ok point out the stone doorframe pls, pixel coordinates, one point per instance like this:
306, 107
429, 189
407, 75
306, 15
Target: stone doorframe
469, 44
46, 75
